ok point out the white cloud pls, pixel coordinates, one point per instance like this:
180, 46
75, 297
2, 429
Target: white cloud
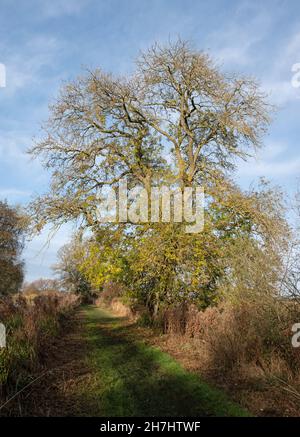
273, 162
13, 153
293, 47
41, 252
13, 193
233, 44
278, 81
240, 43
280, 91
25, 68
290, 167
56, 8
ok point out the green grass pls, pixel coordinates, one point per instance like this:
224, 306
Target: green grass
130, 378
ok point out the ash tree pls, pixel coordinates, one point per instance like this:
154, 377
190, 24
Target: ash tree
70, 277
177, 103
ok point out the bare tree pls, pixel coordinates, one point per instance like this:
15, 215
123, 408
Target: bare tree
42, 285
103, 128
70, 277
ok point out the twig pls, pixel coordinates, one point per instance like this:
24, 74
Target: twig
26, 386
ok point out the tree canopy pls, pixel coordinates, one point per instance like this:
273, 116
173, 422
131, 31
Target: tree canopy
11, 245
176, 118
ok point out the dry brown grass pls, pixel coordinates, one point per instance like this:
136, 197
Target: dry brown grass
31, 325
245, 347
112, 298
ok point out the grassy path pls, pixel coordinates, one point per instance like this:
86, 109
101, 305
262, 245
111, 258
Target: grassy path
130, 378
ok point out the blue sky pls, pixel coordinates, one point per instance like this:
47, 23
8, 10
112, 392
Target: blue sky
43, 43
